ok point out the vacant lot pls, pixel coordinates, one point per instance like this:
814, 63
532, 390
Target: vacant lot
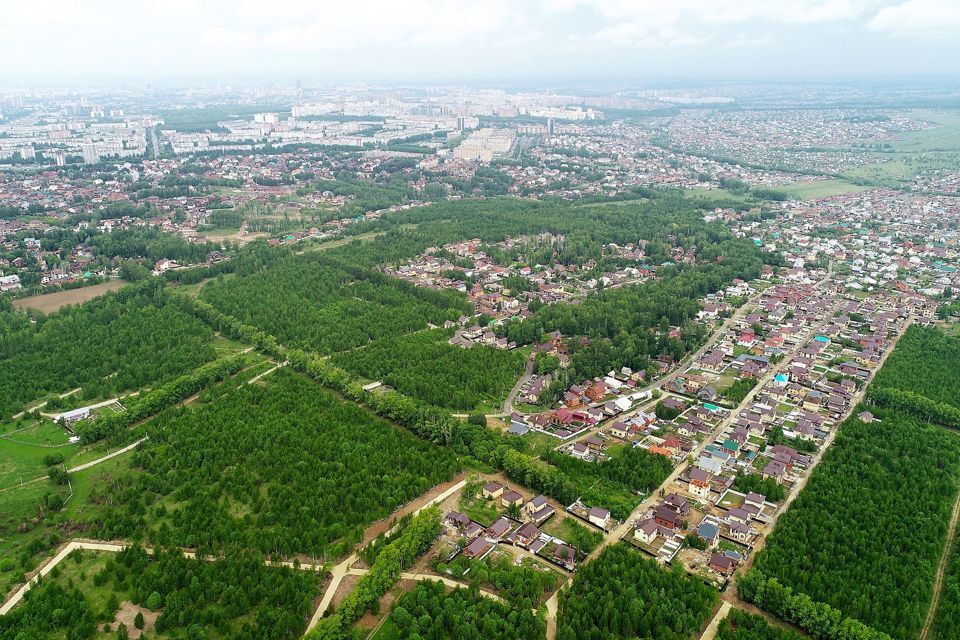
50, 302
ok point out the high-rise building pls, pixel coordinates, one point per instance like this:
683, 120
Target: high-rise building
551, 126
91, 154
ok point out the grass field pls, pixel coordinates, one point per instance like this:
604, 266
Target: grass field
946, 137
50, 302
918, 151
819, 189
21, 460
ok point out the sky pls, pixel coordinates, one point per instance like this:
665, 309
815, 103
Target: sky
462, 40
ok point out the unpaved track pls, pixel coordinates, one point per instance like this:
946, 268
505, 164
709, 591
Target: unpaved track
941, 569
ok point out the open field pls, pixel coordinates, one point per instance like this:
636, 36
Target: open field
819, 189
50, 302
918, 151
946, 137
239, 237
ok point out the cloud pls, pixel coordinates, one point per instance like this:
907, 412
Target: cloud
743, 40
489, 38
678, 23
919, 18
223, 38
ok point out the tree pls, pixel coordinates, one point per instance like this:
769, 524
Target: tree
154, 601
138, 621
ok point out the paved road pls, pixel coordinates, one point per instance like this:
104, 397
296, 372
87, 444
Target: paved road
527, 374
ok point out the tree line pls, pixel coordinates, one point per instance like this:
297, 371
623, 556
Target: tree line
398, 555
428, 612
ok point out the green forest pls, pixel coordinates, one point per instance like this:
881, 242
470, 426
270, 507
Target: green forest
911, 368
866, 533
125, 340
424, 366
523, 586
611, 484
428, 612
235, 597
946, 621
740, 625
913, 382
623, 594
320, 304
281, 466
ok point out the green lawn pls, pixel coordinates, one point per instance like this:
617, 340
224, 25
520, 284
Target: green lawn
540, 443
21, 458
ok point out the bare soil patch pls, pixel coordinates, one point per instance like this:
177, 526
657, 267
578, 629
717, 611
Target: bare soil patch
126, 615
50, 302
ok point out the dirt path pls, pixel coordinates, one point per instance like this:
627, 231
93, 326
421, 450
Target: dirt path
552, 604
711, 630
941, 569
116, 453
436, 495
267, 372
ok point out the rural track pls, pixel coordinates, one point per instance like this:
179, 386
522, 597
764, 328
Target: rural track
941, 569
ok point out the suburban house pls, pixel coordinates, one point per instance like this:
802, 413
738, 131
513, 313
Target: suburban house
525, 534
721, 564
648, 531
667, 517
511, 498
599, 517
478, 549
700, 483
500, 528
709, 532
493, 490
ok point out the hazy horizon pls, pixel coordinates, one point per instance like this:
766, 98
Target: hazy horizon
532, 41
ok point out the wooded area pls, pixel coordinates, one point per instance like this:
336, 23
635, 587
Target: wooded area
281, 466
235, 597
134, 337
866, 533
925, 362
428, 612
740, 625
622, 594
318, 303
424, 366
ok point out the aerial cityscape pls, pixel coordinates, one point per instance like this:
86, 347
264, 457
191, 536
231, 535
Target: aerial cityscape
545, 320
